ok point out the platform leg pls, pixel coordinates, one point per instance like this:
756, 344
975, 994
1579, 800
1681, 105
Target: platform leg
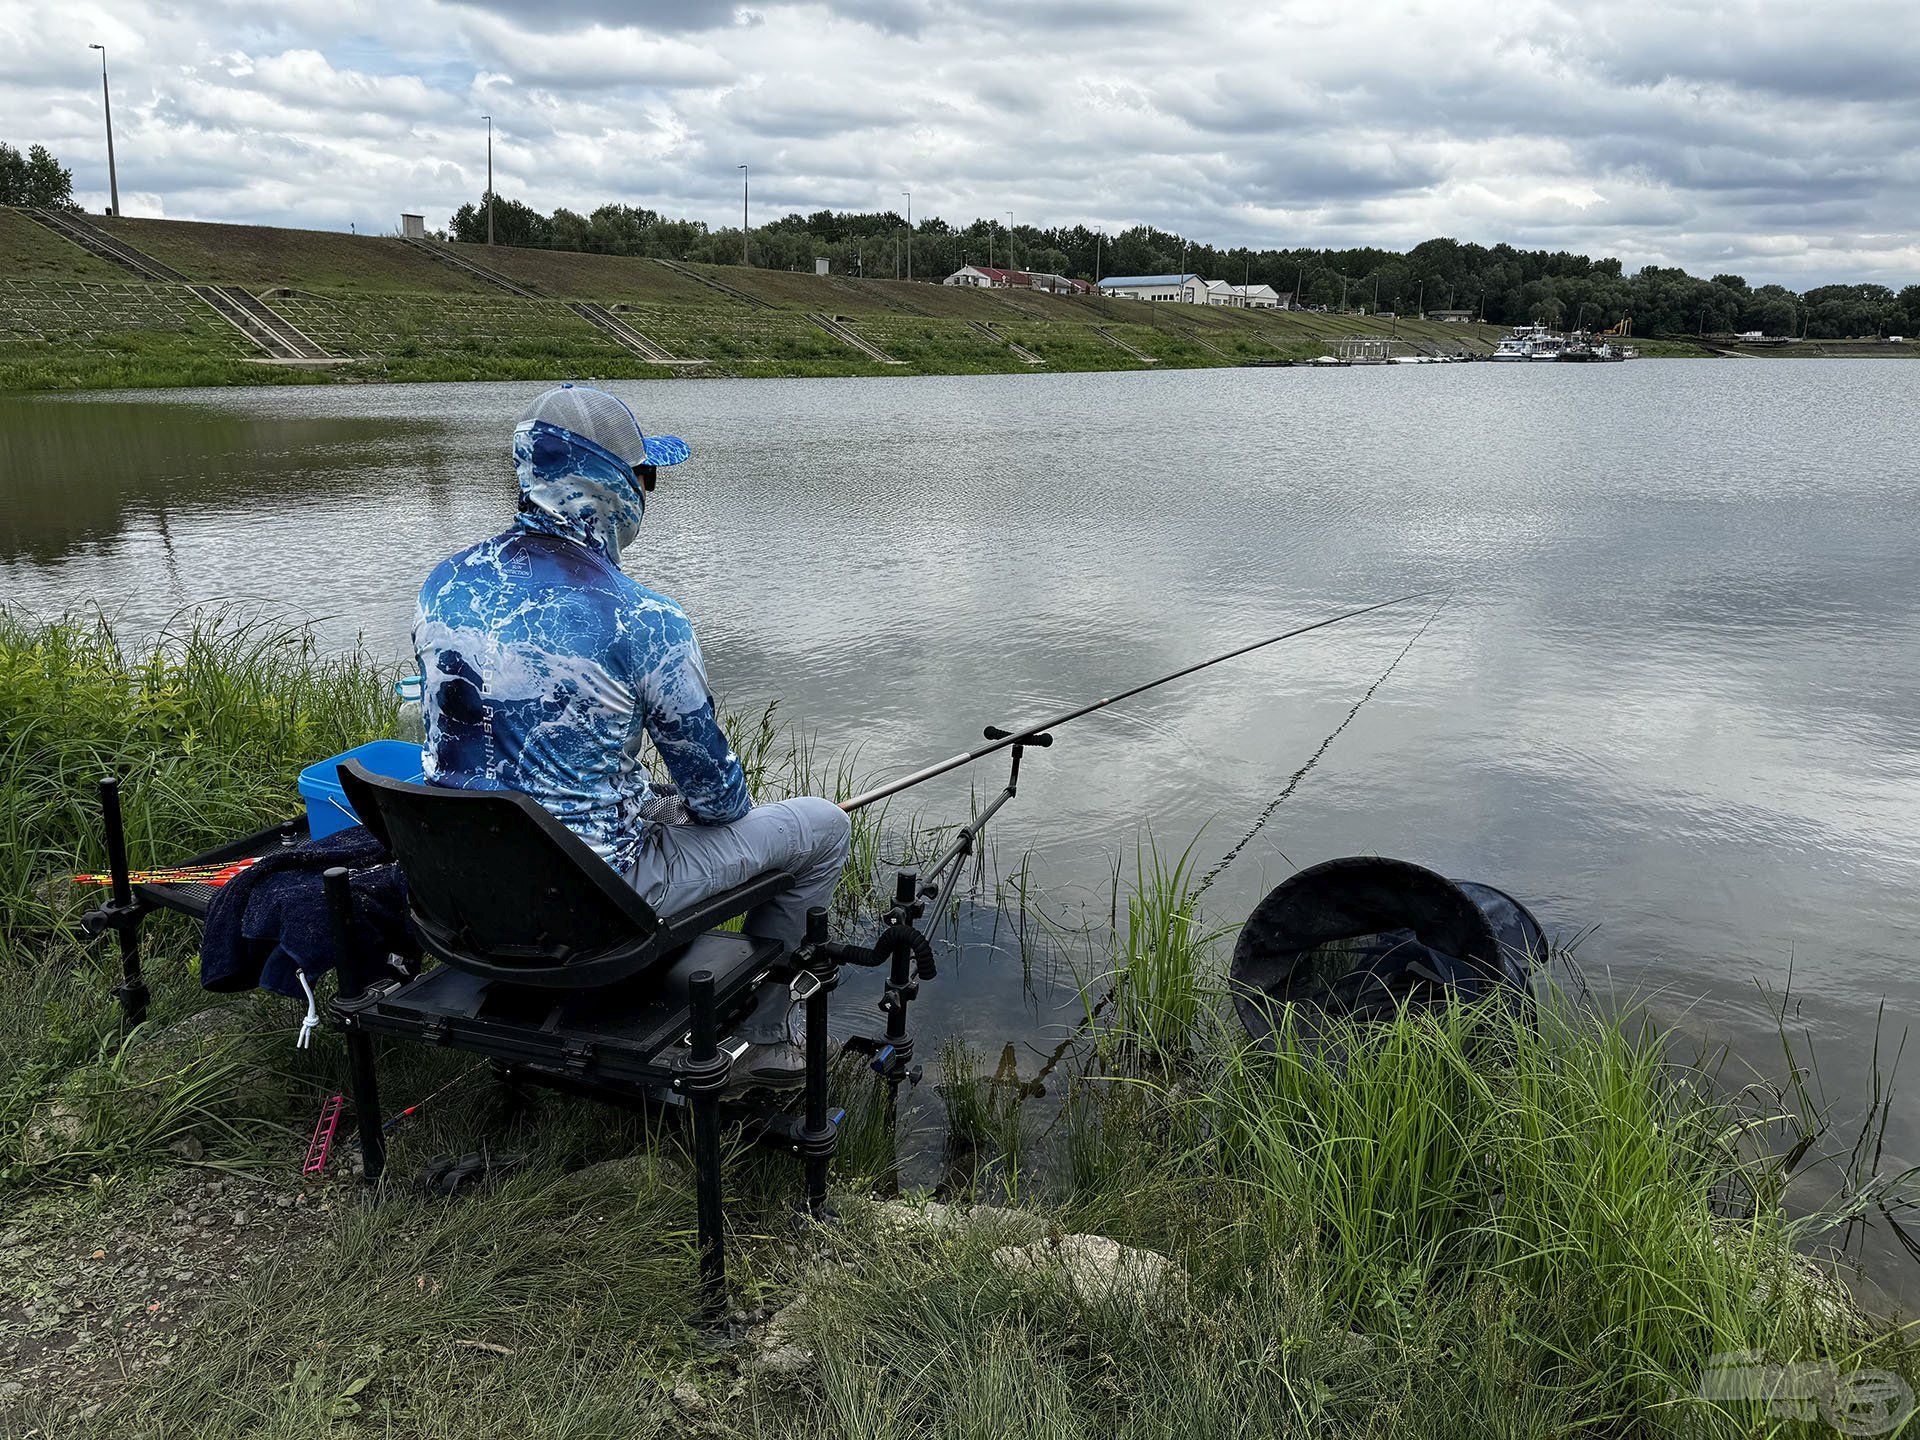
817, 1137
365, 1084
707, 1067
131, 992
336, 884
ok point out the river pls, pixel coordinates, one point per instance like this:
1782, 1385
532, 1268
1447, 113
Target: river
1671, 703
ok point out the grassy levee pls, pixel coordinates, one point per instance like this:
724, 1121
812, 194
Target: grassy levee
1456, 1224
30, 251
71, 321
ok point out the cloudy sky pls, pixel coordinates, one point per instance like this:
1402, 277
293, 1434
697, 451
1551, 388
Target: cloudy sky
1776, 138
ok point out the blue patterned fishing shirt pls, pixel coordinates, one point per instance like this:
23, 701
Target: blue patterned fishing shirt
545, 665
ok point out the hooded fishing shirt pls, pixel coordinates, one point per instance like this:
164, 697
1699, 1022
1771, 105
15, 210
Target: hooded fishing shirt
545, 665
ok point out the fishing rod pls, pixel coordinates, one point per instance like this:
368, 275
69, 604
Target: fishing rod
1037, 734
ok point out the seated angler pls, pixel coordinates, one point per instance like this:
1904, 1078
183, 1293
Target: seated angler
545, 665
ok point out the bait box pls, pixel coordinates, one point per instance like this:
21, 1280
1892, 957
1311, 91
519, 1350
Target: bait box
327, 807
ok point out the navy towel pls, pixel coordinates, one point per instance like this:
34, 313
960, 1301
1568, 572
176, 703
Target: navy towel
270, 920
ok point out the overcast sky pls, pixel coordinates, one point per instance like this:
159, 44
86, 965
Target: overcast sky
1776, 138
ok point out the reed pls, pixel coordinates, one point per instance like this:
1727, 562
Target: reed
1161, 979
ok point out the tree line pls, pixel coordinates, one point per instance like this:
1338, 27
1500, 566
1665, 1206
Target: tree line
1497, 283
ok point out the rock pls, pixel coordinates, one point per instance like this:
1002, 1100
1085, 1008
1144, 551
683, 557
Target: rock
905, 1218
778, 1351
188, 1147
686, 1398
1807, 1283
57, 1126
1095, 1269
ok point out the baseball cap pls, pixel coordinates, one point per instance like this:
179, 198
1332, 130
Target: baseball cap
607, 421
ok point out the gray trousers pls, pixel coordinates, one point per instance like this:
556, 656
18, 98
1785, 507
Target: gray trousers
807, 837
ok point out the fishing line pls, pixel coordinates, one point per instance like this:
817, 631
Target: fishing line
1034, 1086
1036, 734
1293, 782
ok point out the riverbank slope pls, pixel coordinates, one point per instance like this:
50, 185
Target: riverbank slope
164, 302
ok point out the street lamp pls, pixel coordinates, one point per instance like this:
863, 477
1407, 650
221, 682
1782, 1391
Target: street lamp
743, 215
909, 195
489, 120
1098, 236
106, 104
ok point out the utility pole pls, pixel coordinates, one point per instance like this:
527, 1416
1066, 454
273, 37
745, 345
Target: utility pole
106, 104
1010, 240
743, 215
1098, 236
489, 120
909, 195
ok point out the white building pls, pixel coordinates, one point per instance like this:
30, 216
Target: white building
1260, 297
981, 277
1181, 289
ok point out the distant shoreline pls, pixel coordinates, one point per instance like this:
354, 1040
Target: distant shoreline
96, 303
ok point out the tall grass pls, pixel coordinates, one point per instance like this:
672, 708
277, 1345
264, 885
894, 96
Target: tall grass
206, 727
1161, 981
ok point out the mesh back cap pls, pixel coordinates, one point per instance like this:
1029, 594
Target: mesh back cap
607, 421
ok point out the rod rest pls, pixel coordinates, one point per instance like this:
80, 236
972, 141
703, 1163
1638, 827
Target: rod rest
892, 941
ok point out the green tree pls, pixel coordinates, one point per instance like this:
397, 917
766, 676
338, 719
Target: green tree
34, 179
514, 223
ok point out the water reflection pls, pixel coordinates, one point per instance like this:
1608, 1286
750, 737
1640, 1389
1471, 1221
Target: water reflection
79, 475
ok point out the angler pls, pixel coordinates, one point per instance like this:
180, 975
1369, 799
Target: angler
545, 668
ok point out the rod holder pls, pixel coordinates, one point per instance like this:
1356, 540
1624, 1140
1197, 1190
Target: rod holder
818, 1135
703, 1075
122, 913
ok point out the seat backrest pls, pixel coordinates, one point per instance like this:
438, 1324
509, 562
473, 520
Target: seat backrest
498, 886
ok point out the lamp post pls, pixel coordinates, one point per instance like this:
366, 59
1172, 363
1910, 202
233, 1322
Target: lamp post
1098, 236
743, 215
106, 104
489, 120
909, 195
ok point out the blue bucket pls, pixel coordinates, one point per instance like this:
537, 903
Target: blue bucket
327, 808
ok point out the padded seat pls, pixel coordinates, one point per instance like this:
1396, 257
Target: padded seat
499, 888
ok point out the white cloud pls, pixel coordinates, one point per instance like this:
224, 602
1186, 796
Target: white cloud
1759, 135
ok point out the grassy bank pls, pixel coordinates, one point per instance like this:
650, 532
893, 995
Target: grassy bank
69, 320
1450, 1225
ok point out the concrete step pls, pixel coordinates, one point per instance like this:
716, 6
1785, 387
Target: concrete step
446, 256
70, 226
841, 333
640, 344
1020, 350
266, 327
1114, 340
712, 284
